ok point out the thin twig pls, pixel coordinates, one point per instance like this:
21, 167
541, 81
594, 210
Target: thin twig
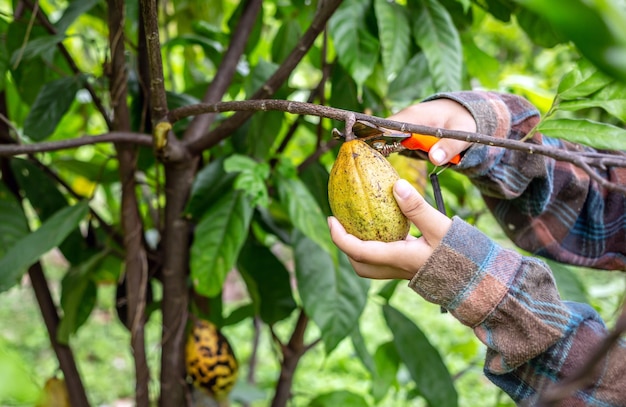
46, 146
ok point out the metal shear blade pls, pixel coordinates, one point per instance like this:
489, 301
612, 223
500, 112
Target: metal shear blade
383, 140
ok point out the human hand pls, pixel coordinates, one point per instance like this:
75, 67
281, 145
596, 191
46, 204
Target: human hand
445, 114
401, 259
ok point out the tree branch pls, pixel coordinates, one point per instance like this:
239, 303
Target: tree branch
46, 146
135, 258
292, 352
158, 99
580, 159
325, 11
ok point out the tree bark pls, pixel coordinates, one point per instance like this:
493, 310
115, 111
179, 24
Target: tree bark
135, 261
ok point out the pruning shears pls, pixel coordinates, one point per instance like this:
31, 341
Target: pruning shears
387, 141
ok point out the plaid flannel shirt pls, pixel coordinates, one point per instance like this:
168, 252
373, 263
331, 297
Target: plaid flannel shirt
549, 208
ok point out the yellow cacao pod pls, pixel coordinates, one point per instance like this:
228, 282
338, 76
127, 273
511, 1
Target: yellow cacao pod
360, 193
210, 360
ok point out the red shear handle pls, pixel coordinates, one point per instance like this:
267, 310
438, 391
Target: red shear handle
424, 143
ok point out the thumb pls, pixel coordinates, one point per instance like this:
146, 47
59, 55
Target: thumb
432, 223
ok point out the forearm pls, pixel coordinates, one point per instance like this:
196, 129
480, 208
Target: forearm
512, 304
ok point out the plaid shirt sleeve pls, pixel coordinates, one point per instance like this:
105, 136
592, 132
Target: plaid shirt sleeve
511, 302
547, 207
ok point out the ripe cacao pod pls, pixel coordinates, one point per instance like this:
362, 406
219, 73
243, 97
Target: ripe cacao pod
360, 193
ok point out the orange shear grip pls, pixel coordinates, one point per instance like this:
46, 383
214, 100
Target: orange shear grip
424, 143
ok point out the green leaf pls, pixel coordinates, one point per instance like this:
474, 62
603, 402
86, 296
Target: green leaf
315, 177
412, 82
611, 98
268, 281
210, 184
386, 292
538, 29
31, 247
44, 196
588, 132
51, 104
582, 82
387, 363
96, 169
480, 64
597, 30
436, 34
333, 295
251, 177
218, 238
394, 32
13, 223
44, 47
357, 49
360, 348
18, 386
430, 374
78, 296
74, 10
285, 41
339, 398
304, 212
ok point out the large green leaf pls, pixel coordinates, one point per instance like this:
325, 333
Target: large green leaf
339, 398
422, 359
268, 281
78, 297
210, 184
315, 177
582, 81
44, 196
53, 101
74, 10
387, 362
251, 177
286, 39
357, 49
31, 247
304, 212
394, 32
13, 223
611, 98
333, 295
360, 348
18, 383
597, 30
412, 82
436, 34
218, 238
588, 132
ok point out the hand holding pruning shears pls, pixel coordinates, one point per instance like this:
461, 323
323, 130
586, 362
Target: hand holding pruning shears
402, 259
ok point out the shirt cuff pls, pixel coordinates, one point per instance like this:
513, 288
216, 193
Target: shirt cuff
468, 274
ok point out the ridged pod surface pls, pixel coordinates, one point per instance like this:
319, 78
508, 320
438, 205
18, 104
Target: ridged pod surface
360, 194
